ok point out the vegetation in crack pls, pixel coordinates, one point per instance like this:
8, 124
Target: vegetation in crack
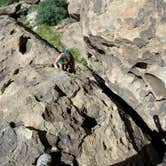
47, 33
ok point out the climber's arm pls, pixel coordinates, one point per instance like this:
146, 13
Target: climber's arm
58, 59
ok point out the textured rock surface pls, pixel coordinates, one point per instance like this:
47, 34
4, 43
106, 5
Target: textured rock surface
9, 10
126, 44
74, 8
73, 38
70, 116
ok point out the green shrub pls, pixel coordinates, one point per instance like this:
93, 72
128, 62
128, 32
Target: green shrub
7, 2
51, 12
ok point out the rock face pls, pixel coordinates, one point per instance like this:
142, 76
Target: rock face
68, 116
74, 8
72, 38
126, 44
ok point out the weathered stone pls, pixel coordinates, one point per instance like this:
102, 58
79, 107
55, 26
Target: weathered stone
134, 34
72, 38
74, 8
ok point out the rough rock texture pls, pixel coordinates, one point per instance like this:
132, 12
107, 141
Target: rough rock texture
68, 116
9, 10
127, 46
72, 38
74, 8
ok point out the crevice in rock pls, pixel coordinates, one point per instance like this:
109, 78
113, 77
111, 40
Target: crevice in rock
42, 137
129, 129
61, 93
23, 44
6, 85
141, 65
100, 51
48, 115
12, 32
75, 16
16, 14
12, 124
15, 124
88, 123
155, 137
16, 72
56, 159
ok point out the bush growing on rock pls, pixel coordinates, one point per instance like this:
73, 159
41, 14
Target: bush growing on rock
52, 11
7, 2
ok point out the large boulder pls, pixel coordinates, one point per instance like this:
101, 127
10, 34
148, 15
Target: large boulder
126, 43
69, 116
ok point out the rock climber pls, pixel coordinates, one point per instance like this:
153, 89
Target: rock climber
65, 61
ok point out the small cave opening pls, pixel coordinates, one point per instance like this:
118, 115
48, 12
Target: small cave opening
23, 41
12, 124
12, 32
16, 71
88, 123
141, 65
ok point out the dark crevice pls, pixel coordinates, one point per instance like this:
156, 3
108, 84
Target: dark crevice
16, 71
23, 44
129, 129
88, 123
61, 93
56, 159
141, 65
100, 51
76, 16
12, 32
12, 124
37, 98
6, 85
15, 124
156, 137
42, 137
136, 75
16, 14
48, 115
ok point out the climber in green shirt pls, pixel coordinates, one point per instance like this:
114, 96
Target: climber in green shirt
65, 61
